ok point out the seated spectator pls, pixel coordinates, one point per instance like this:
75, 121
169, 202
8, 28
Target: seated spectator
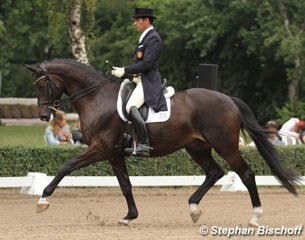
58, 132
292, 128
302, 134
273, 135
241, 142
77, 135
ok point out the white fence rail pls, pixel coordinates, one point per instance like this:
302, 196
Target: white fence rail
34, 183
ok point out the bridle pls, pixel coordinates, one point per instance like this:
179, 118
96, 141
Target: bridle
52, 102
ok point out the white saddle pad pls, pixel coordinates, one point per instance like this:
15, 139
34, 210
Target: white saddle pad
153, 116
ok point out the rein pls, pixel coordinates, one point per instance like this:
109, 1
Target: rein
85, 92
54, 104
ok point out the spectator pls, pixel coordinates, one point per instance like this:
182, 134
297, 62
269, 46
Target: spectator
241, 142
273, 135
302, 133
58, 132
77, 135
292, 128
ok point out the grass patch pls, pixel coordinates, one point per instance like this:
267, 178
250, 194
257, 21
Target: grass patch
22, 135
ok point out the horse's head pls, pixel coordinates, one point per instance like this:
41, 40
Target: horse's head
49, 90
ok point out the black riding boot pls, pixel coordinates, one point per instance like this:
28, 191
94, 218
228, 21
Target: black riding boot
142, 148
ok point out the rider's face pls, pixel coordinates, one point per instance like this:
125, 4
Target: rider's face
141, 24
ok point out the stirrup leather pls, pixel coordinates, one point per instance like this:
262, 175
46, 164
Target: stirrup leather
140, 150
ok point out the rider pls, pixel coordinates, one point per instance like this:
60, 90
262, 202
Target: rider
147, 77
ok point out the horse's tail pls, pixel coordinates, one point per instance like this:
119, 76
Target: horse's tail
265, 147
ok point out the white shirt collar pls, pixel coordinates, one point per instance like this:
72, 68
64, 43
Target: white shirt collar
145, 32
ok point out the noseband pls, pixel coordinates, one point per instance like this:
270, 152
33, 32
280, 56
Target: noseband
53, 103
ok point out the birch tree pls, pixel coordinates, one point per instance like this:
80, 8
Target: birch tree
78, 38
78, 18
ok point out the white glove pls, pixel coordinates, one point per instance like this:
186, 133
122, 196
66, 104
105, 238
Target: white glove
118, 72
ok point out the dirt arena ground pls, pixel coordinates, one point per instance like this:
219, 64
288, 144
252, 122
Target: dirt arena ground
93, 213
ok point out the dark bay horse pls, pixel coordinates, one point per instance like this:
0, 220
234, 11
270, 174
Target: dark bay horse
196, 124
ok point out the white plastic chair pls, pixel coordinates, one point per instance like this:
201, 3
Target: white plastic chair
287, 140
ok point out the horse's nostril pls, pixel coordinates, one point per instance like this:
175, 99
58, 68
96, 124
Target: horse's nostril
44, 118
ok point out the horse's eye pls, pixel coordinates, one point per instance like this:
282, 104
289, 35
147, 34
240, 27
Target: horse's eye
39, 87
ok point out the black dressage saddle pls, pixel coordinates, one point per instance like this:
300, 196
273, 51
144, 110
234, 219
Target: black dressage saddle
126, 93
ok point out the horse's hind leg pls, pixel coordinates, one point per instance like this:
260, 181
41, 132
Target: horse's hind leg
119, 167
201, 154
238, 165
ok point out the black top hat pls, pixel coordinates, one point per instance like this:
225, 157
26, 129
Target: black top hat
144, 12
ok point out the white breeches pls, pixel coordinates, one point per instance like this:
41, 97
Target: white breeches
137, 97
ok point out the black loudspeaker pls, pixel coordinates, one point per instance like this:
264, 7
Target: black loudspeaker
207, 76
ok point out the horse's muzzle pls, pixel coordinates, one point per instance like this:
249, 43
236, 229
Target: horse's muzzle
44, 118
44, 113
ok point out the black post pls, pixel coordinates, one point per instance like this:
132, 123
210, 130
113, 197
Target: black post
207, 76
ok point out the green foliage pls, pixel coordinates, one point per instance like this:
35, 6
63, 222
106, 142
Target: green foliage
287, 33
57, 15
26, 41
87, 16
22, 150
19, 160
4, 53
259, 61
115, 37
247, 67
179, 60
291, 110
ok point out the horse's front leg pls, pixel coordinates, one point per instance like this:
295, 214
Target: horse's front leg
119, 167
91, 155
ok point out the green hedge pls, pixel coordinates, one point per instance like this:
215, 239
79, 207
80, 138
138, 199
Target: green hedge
18, 161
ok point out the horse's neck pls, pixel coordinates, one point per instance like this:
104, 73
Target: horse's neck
78, 84
98, 102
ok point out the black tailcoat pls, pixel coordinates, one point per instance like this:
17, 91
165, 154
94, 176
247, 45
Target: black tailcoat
147, 57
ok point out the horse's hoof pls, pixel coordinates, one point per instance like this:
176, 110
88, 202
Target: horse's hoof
195, 215
42, 205
253, 224
257, 212
124, 222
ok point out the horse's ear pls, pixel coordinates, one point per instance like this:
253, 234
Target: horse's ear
31, 68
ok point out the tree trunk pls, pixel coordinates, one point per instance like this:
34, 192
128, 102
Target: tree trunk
295, 81
295, 77
76, 34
